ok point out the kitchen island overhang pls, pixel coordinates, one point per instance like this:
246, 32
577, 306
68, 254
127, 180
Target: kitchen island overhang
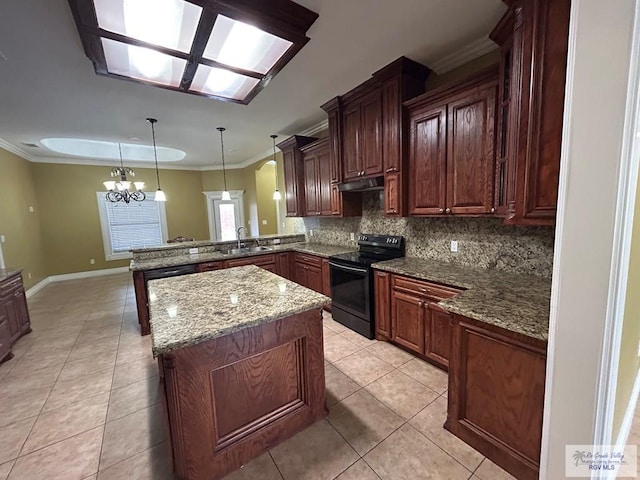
240, 354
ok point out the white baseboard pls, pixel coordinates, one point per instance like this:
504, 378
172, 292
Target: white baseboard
37, 287
629, 414
73, 276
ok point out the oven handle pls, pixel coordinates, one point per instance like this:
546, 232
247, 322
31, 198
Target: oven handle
364, 271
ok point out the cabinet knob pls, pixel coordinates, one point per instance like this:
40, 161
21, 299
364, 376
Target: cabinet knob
362, 173
448, 210
493, 210
441, 210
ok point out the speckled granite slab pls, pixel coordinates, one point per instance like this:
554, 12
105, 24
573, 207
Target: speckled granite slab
7, 273
518, 303
191, 309
172, 261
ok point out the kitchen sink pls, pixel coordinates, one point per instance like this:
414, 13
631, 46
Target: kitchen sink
235, 251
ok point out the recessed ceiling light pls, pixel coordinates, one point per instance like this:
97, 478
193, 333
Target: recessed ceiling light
80, 147
216, 49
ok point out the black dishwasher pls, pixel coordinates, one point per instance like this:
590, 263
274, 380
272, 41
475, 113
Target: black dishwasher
169, 272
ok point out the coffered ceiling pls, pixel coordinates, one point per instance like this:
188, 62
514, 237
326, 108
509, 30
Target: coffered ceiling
48, 87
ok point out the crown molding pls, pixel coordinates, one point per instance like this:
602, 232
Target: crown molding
471, 51
318, 127
16, 150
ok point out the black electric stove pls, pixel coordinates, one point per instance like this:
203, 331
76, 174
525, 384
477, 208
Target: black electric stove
352, 297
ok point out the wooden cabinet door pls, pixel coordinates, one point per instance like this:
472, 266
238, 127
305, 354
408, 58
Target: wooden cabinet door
311, 183
407, 321
336, 201
392, 194
13, 315
437, 329
291, 196
324, 182
382, 292
5, 338
371, 134
283, 263
326, 277
352, 163
427, 161
300, 274
470, 152
314, 278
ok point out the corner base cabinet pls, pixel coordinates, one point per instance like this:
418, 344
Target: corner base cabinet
496, 394
14, 314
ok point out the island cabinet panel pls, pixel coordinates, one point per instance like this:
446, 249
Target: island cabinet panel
13, 305
142, 301
5, 339
230, 399
382, 291
451, 148
496, 394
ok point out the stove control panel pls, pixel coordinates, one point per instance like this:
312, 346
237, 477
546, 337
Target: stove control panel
384, 241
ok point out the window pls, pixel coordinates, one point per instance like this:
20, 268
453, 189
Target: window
133, 225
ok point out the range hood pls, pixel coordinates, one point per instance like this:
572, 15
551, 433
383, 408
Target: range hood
373, 183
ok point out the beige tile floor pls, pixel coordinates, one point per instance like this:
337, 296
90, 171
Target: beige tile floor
79, 401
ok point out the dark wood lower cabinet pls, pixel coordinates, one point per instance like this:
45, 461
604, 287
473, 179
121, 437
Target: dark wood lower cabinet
13, 309
284, 265
407, 326
382, 293
326, 278
496, 394
230, 399
5, 340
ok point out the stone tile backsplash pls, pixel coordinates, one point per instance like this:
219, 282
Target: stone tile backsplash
482, 242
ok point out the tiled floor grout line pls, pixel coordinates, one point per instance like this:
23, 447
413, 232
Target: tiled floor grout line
276, 464
113, 374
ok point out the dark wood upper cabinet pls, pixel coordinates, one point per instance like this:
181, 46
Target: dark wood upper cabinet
294, 173
317, 178
427, 161
311, 184
451, 148
533, 38
366, 130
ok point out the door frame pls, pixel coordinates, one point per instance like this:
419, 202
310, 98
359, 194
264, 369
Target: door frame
210, 196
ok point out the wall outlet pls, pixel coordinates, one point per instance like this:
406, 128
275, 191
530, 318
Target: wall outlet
311, 233
264, 222
193, 251
29, 274
454, 245
276, 241
92, 261
284, 224
2, 239
352, 237
31, 210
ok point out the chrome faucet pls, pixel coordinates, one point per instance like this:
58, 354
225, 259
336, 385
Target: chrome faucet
238, 232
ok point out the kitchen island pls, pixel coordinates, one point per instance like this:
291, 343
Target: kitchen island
240, 354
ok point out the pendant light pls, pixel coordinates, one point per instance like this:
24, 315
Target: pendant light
160, 196
276, 194
225, 193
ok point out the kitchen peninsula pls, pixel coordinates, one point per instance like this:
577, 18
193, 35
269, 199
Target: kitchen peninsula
240, 353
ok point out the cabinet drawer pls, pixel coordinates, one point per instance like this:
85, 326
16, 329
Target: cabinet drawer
309, 259
425, 289
257, 260
11, 285
209, 266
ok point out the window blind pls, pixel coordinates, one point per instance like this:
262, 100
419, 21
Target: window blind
134, 225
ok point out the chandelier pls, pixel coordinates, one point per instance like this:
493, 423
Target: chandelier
118, 191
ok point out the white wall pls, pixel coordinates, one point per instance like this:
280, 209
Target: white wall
599, 52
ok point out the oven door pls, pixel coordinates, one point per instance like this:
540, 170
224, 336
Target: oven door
351, 289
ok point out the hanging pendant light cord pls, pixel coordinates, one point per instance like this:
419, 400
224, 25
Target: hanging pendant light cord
155, 152
120, 150
273, 137
224, 170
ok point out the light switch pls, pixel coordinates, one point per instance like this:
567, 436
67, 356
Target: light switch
31, 210
264, 222
454, 246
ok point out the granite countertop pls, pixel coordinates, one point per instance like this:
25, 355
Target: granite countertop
191, 309
172, 261
208, 243
518, 303
8, 273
